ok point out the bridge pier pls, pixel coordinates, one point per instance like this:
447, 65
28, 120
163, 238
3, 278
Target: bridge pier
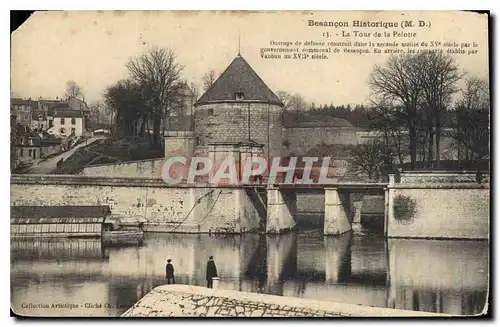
281, 209
338, 257
281, 259
337, 213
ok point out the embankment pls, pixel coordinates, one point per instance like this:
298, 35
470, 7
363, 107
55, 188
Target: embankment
196, 301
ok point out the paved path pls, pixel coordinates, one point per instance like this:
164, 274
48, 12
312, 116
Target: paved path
49, 165
196, 301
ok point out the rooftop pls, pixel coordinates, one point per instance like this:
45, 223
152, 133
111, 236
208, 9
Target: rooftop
67, 113
58, 211
17, 101
239, 83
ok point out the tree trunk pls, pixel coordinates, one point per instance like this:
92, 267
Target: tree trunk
430, 148
438, 140
413, 144
142, 126
156, 130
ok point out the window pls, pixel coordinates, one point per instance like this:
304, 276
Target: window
239, 96
62, 121
211, 112
21, 153
73, 121
73, 130
51, 123
30, 153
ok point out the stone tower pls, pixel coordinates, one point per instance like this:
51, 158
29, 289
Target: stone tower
240, 107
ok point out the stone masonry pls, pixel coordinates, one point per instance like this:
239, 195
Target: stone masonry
161, 208
240, 122
439, 206
195, 301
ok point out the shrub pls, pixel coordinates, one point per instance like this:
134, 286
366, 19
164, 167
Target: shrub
404, 209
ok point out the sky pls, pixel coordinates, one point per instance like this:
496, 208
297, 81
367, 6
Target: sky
92, 48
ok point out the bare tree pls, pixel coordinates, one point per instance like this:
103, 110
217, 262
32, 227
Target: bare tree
208, 79
73, 90
368, 158
195, 90
389, 122
158, 75
95, 111
130, 110
294, 106
285, 98
438, 75
298, 104
397, 83
471, 122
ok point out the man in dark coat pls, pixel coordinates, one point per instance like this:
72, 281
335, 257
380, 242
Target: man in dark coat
170, 272
211, 272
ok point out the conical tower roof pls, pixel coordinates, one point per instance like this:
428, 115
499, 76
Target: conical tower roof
239, 79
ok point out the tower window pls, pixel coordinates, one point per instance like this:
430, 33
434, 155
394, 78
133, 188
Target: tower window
239, 96
211, 112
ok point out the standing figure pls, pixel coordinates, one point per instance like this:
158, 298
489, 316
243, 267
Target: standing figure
211, 272
479, 177
170, 272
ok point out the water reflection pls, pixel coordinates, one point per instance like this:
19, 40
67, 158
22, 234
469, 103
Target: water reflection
425, 275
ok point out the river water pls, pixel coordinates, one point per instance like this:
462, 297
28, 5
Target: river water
84, 278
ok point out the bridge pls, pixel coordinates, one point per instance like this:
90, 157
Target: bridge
269, 208
338, 207
437, 204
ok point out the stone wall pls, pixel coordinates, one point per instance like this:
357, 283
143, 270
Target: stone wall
442, 213
162, 208
195, 301
302, 139
310, 203
143, 168
229, 122
437, 206
441, 177
50, 149
180, 144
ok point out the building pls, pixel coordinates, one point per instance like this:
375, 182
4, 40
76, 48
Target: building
28, 153
49, 107
81, 105
77, 104
181, 116
22, 109
39, 120
27, 147
67, 123
240, 107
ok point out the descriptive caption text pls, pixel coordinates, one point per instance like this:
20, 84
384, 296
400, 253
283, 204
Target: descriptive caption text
68, 306
363, 38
